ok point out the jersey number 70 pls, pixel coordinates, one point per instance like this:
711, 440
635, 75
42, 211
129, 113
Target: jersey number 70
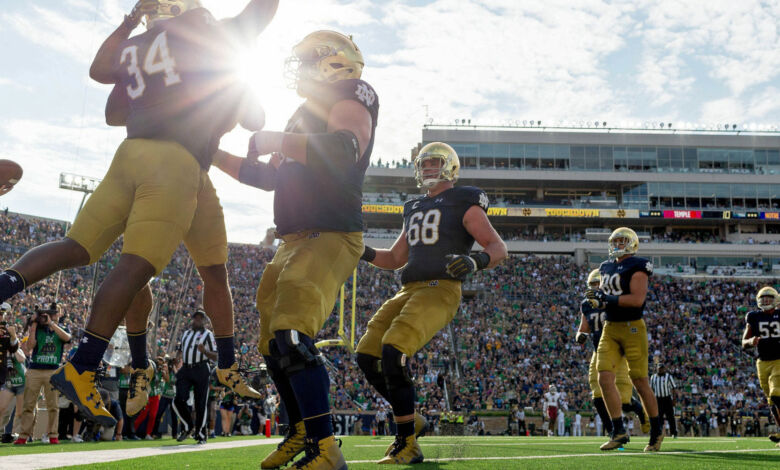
158, 60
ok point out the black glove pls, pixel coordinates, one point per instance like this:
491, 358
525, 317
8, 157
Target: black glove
581, 337
459, 266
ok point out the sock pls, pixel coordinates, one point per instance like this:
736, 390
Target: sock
11, 283
311, 386
636, 407
89, 352
655, 426
137, 341
405, 429
284, 389
617, 426
601, 409
226, 354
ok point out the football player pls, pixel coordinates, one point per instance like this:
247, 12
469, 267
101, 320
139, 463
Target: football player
621, 295
551, 406
434, 248
316, 170
591, 322
175, 90
763, 330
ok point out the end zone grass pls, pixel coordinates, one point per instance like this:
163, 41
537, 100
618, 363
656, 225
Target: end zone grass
489, 453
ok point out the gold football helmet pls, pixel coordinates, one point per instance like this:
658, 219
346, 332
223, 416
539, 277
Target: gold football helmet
594, 278
164, 9
447, 171
767, 298
626, 237
323, 57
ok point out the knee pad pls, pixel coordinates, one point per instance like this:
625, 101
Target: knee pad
296, 351
395, 368
370, 365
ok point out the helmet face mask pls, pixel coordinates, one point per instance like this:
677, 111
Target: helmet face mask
622, 242
767, 298
446, 168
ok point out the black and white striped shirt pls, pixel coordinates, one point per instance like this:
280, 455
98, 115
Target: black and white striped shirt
662, 385
189, 345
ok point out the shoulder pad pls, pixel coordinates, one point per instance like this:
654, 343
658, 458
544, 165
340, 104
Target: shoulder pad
642, 264
357, 90
473, 196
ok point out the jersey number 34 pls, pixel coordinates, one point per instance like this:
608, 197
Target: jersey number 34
158, 60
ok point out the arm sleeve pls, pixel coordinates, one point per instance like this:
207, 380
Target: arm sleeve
258, 174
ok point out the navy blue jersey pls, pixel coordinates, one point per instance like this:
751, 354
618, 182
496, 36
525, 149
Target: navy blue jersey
595, 319
307, 198
767, 326
616, 280
179, 83
434, 229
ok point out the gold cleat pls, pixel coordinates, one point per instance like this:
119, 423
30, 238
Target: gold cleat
646, 425
322, 455
81, 390
140, 387
420, 428
406, 451
233, 379
655, 443
615, 442
775, 437
291, 446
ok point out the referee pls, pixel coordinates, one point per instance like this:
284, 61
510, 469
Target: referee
196, 348
663, 384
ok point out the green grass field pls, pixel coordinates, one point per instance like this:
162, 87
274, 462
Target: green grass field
453, 453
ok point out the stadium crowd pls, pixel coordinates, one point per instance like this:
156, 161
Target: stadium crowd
513, 337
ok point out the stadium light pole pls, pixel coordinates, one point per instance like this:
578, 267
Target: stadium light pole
86, 185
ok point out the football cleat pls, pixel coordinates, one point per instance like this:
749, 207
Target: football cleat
140, 386
420, 428
324, 454
233, 379
406, 451
292, 445
183, 435
775, 437
81, 390
615, 442
655, 443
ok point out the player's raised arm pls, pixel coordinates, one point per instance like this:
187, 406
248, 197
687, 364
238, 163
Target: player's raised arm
394, 258
102, 68
253, 19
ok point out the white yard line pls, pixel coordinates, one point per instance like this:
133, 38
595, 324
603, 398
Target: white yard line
425, 443
566, 456
60, 459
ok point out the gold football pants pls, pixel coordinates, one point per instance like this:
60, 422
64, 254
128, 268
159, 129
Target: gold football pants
299, 286
622, 380
621, 340
769, 377
158, 196
411, 318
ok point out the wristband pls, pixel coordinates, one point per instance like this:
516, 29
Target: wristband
611, 300
368, 254
482, 259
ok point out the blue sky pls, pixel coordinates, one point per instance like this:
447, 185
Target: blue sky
663, 60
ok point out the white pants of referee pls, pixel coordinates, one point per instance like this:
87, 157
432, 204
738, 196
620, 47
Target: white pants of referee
195, 377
